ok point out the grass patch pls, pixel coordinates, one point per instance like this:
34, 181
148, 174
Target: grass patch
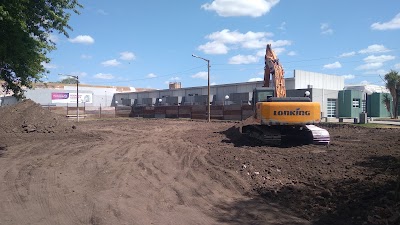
376, 125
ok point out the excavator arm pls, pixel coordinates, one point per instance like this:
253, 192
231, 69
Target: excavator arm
274, 68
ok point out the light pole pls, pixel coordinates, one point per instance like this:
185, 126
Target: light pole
77, 92
208, 86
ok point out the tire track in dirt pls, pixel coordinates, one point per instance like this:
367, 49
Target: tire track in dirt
129, 172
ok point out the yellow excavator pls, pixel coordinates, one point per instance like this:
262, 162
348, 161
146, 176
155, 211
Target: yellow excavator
281, 120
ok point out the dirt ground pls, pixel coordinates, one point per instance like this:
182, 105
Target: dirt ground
170, 171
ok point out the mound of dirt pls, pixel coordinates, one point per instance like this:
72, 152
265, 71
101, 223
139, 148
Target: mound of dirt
28, 116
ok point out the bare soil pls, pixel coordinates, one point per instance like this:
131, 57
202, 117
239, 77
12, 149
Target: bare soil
167, 171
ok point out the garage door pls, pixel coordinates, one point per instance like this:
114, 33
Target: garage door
331, 110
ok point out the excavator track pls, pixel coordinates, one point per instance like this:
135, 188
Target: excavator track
287, 135
320, 135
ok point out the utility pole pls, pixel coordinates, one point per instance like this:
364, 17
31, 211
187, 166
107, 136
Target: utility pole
208, 86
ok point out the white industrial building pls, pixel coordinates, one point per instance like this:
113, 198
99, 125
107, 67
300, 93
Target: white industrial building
324, 89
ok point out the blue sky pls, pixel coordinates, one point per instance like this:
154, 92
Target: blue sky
149, 43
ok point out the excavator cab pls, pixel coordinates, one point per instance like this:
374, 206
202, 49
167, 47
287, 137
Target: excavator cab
262, 94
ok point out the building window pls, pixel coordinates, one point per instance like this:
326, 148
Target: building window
356, 103
331, 107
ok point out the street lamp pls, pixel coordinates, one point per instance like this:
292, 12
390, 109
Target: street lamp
208, 91
77, 92
226, 99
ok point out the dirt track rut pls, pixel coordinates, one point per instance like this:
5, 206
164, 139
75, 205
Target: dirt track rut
162, 171
113, 172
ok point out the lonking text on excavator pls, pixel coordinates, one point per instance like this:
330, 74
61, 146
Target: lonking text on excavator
278, 119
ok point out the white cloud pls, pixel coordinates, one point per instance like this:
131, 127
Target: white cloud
397, 66
201, 75
243, 59
84, 56
229, 8
127, 56
325, 29
79, 74
374, 49
254, 44
255, 79
378, 59
111, 62
250, 40
151, 75
282, 26
213, 48
279, 43
373, 62
260, 53
213, 83
279, 51
232, 37
102, 12
349, 77
174, 78
48, 65
391, 25
292, 53
224, 40
105, 76
334, 65
347, 54
82, 39
364, 82
370, 66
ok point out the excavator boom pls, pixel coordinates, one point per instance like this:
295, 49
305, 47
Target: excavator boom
274, 68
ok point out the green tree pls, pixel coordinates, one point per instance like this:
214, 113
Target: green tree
68, 80
393, 84
25, 28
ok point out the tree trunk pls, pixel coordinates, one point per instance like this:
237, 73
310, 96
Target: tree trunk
393, 92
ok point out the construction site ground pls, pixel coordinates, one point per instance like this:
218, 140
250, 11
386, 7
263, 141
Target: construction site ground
174, 171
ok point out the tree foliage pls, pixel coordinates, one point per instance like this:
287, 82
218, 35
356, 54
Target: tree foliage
69, 80
393, 84
25, 28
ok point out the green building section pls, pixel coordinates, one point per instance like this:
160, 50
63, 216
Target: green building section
350, 103
375, 105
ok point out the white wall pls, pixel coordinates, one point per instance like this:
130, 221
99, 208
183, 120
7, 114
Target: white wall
317, 80
321, 96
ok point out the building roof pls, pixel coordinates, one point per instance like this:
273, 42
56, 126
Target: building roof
367, 88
